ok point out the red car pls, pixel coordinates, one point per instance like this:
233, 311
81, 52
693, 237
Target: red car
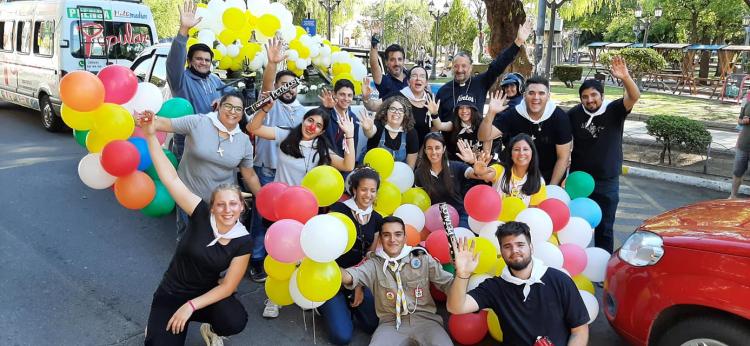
683, 278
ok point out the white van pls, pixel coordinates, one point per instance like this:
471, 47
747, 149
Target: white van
41, 41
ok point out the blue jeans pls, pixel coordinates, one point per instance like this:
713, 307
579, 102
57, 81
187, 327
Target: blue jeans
339, 316
182, 222
607, 195
257, 230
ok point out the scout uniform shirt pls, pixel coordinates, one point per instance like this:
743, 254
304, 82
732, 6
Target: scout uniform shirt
417, 270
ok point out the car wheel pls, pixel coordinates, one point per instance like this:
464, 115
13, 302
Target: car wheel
706, 331
50, 120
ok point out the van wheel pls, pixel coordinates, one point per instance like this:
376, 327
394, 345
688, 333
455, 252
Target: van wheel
50, 120
706, 330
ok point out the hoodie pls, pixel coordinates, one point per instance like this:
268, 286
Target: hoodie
185, 84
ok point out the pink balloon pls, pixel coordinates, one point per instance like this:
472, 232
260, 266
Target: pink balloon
433, 221
120, 84
483, 203
161, 136
574, 258
282, 241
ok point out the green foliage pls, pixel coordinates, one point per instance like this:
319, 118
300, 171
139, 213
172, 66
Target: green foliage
567, 74
388, 18
640, 61
458, 28
166, 16
675, 132
300, 9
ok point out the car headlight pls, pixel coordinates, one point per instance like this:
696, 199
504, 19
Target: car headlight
642, 249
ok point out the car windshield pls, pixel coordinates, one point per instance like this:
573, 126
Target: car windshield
113, 40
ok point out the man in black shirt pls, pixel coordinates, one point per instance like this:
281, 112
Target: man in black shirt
597, 126
531, 299
477, 86
538, 117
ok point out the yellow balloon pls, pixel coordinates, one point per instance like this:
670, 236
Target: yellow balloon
340, 67
335, 49
511, 207
539, 196
278, 291
113, 121
493, 323
298, 71
318, 281
553, 239
233, 18
487, 255
225, 63
236, 65
499, 266
341, 76
191, 41
75, 119
96, 141
583, 283
299, 31
380, 160
251, 21
227, 36
192, 31
350, 229
291, 65
217, 54
499, 169
357, 87
244, 34
388, 198
418, 197
304, 52
202, 5
268, 24
326, 183
278, 270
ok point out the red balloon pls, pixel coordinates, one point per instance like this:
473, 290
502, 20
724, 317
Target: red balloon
437, 294
468, 329
433, 220
558, 211
266, 197
483, 203
296, 203
120, 84
120, 158
135, 191
437, 246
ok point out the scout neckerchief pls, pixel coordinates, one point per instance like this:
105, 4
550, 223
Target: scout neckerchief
465, 128
599, 111
238, 230
395, 266
361, 215
537, 271
215, 121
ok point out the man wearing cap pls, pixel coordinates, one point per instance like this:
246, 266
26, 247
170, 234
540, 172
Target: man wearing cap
399, 277
512, 86
477, 86
196, 83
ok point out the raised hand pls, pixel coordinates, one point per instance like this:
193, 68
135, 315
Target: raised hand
524, 31
326, 98
274, 48
465, 153
346, 125
497, 102
618, 68
366, 91
482, 160
432, 106
366, 120
187, 14
466, 260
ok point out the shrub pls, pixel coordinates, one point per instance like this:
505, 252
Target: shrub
640, 61
567, 74
675, 132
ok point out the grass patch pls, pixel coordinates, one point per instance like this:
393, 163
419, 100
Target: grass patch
652, 103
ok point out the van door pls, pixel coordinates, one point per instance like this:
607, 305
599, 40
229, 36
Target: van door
8, 70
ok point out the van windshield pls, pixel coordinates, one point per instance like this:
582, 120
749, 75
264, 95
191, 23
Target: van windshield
118, 40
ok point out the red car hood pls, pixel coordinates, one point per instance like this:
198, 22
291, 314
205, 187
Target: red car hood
721, 226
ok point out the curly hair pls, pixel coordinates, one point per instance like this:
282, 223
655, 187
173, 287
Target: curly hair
408, 119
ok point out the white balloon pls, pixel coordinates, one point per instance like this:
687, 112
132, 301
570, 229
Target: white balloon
402, 176
214, 22
301, 64
256, 63
259, 7
147, 97
359, 71
549, 254
276, 8
326, 61
92, 174
288, 32
596, 267
592, 305
314, 49
216, 6
539, 223
207, 37
233, 50
488, 232
202, 13
411, 215
554, 191
476, 226
475, 280
462, 232
236, 3
325, 51
297, 297
292, 55
221, 48
323, 238
578, 231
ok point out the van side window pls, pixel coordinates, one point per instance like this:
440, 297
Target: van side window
23, 37
44, 38
6, 36
159, 75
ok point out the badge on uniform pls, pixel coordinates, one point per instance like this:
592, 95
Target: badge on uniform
390, 295
416, 263
418, 292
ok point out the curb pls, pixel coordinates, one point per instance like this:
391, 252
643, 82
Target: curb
721, 186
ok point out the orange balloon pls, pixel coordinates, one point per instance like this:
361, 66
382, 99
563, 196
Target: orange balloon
412, 236
135, 191
81, 91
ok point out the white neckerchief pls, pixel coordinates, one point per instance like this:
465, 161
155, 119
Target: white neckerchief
394, 264
537, 271
238, 230
409, 94
389, 128
359, 213
214, 116
548, 110
599, 111
465, 128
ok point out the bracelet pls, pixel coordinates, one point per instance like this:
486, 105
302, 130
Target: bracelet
191, 305
458, 276
352, 137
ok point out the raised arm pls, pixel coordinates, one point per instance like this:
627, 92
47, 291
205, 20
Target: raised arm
579, 336
619, 69
465, 262
162, 124
507, 56
367, 122
433, 108
255, 125
273, 47
377, 73
178, 50
487, 130
372, 105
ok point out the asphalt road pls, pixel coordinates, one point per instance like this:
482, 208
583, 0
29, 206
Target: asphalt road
79, 269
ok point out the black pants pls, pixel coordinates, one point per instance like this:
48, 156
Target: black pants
607, 195
227, 317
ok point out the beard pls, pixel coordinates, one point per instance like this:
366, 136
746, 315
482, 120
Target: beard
521, 265
287, 99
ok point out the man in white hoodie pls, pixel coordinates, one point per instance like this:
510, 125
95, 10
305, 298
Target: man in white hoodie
540, 118
533, 301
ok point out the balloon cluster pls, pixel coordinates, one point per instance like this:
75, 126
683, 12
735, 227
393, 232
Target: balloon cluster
99, 110
346, 66
305, 50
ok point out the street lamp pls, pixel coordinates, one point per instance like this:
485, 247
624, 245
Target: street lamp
437, 13
329, 6
645, 21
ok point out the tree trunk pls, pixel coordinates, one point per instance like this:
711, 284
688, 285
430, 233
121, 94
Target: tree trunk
504, 17
705, 58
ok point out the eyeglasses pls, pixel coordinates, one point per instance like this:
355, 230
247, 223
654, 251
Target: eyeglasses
396, 110
418, 76
229, 108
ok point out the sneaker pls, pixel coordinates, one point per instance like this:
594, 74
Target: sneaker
257, 274
271, 310
211, 338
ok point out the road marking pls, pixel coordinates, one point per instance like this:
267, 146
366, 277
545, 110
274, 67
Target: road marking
645, 196
8, 164
634, 205
629, 195
624, 228
632, 216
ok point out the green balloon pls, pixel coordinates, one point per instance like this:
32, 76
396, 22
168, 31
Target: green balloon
151, 171
80, 136
449, 268
579, 184
175, 108
162, 204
